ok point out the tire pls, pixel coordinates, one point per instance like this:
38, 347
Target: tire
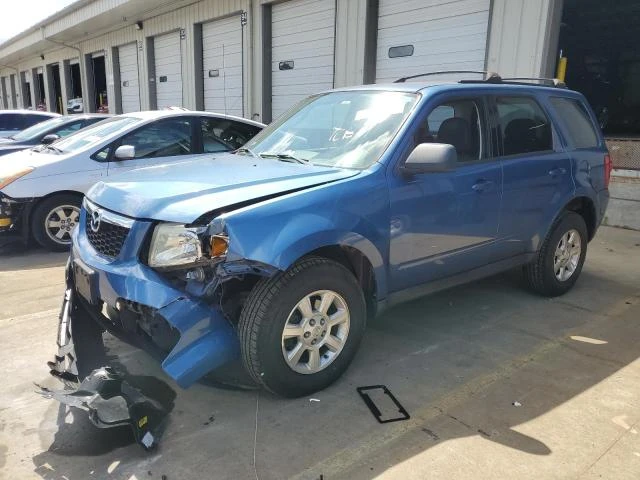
542, 274
273, 303
69, 206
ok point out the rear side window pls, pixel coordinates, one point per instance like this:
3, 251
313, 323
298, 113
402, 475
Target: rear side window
11, 121
523, 126
575, 118
30, 120
222, 135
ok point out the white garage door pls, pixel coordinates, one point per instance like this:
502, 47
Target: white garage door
168, 63
418, 36
222, 65
129, 80
302, 50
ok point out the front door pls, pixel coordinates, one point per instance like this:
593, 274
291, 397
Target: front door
155, 143
445, 223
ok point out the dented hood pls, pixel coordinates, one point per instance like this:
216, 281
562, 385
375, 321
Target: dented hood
184, 191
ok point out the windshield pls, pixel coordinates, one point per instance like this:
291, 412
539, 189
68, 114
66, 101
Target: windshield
93, 135
343, 129
38, 129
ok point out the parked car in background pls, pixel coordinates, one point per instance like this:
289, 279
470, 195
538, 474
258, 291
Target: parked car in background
75, 105
41, 190
47, 132
14, 121
353, 201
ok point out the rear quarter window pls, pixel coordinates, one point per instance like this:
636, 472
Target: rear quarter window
576, 122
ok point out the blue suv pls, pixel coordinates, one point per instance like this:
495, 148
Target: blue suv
354, 200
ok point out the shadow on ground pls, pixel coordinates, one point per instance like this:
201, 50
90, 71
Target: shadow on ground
15, 256
442, 357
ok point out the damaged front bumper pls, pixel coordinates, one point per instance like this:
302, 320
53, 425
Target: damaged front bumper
14, 215
195, 338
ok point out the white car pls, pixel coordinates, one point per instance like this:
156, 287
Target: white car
41, 189
14, 121
75, 105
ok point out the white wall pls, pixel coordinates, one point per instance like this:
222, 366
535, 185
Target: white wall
521, 32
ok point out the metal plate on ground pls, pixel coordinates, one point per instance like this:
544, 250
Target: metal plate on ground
384, 406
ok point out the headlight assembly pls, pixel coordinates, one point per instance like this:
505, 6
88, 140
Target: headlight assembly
175, 245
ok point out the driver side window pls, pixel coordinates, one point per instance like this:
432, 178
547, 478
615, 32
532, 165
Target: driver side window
458, 123
164, 138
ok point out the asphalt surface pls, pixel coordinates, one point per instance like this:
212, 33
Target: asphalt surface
499, 383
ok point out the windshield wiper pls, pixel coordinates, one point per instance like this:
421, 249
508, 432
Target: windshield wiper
247, 150
286, 157
51, 147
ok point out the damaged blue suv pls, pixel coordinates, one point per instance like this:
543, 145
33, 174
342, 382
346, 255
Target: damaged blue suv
354, 200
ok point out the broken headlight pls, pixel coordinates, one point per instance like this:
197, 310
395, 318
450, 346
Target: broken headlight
174, 245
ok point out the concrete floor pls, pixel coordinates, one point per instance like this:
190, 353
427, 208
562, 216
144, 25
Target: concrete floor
457, 361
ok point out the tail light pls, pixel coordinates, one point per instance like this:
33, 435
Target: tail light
608, 166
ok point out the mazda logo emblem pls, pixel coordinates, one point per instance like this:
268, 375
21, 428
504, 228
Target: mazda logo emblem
96, 217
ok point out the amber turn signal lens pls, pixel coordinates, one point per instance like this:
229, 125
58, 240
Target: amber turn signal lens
219, 245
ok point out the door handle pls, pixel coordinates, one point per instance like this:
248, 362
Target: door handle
557, 171
482, 185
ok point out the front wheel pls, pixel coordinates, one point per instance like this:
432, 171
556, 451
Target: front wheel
54, 219
561, 257
300, 329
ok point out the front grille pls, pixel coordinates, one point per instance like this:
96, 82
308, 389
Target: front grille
108, 238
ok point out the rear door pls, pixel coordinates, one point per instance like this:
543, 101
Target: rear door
536, 169
164, 140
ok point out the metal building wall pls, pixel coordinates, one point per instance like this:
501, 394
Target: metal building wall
523, 37
522, 40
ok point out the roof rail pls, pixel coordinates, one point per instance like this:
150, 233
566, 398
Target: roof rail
553, 81
489, 76
521, 81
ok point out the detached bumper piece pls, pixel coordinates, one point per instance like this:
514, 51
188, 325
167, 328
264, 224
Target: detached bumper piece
112, 402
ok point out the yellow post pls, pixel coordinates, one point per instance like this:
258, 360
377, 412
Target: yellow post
561, 71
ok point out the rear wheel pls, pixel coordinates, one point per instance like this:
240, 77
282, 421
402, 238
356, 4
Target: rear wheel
54, 219
300, 329
561, 257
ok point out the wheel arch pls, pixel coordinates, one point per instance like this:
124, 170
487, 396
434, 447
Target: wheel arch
28, 221
586, 208
46, 197
357, 263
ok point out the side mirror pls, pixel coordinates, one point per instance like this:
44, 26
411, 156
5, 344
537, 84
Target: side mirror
125, 152
48, 139
431, 158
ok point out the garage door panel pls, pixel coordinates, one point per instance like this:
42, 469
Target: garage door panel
445, 35
390, 9
430, 48
222, 53
299, 9
448, 28
284, 26
129, 78
168, 67
303, 32
307, 37
306, 79
304, 58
